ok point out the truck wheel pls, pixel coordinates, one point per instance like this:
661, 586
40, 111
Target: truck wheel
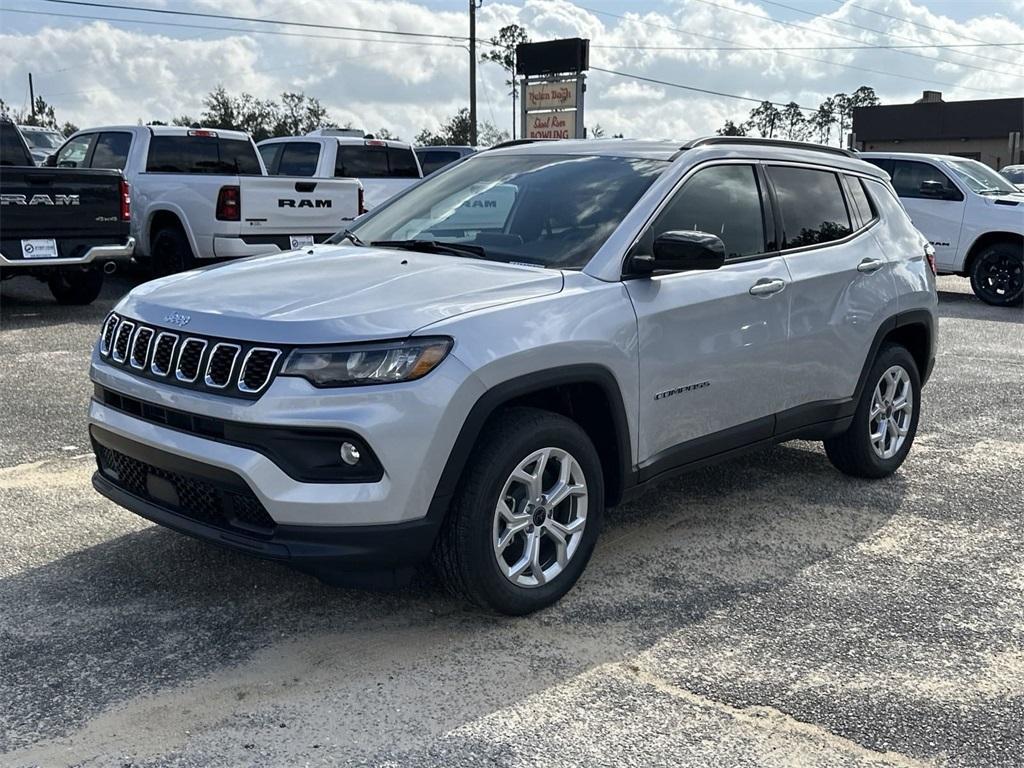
524, 521
885, 422
997, 274
76, 287
171, 252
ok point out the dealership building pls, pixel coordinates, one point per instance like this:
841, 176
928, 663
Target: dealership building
988, 130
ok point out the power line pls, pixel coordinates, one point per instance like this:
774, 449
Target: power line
866, 47
919, 24
893, 35
254, 19
846, 37
691, 33
246, 30
694, 88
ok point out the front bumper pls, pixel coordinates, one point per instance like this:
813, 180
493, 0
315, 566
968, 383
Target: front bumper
97, 254
205, 514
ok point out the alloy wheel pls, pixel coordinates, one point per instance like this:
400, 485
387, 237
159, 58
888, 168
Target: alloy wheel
539, 517
892, 408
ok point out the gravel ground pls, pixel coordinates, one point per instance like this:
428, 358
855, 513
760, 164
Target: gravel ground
765, 612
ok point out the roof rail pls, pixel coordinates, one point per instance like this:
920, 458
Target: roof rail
752, 141
515, 143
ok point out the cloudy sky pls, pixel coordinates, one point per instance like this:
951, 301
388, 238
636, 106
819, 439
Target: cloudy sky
99, 65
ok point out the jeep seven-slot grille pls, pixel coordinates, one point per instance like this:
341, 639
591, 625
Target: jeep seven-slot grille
223, 366
194, 497
140, 348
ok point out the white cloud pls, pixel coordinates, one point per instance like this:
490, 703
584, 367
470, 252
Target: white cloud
122, 75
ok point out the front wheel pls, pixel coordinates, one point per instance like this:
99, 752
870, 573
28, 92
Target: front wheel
76, 286
885, 422
997, 275
525, 519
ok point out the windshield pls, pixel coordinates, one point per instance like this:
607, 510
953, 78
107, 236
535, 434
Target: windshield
1015, 175
43, 139
546, 210
980, 178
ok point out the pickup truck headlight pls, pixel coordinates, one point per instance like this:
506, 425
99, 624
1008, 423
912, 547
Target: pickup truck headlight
360, 364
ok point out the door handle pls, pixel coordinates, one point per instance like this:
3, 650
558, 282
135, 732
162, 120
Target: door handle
766, 286
870, 265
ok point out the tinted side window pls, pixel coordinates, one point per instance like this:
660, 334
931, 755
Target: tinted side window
436, 159
299, 158
723, 200
908, 176
357, 162
860, 199
73, 154
12, 151
111, 151
812, 206
402, 164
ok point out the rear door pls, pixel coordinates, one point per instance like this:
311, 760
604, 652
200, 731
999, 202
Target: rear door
712, 353
842, 286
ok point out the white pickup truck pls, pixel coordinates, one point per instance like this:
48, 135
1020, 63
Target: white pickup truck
385, 168
972, 216
200, 194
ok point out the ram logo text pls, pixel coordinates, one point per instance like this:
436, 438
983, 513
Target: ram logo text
39, 200
679, 390
285, 202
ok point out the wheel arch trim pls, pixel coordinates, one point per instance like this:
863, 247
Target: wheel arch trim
501, 394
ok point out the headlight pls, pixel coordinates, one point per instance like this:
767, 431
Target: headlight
357, 364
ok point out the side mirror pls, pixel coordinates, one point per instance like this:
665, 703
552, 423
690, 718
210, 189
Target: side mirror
681, 251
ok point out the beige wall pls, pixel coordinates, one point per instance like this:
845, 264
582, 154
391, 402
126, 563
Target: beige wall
994, 152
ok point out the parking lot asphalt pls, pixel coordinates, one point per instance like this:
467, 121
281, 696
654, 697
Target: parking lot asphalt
765, 612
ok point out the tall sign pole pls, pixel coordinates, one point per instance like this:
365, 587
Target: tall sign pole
472, 71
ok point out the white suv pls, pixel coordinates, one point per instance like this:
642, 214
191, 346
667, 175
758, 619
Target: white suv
973, 217
478, 388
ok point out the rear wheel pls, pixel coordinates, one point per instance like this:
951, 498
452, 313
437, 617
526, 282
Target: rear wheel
171, 252
525, 519
997, 274
77, 286
885, 422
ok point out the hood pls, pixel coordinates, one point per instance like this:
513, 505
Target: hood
1009, 202
332, 293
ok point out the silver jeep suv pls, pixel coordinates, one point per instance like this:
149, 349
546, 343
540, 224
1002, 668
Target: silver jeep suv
478, 368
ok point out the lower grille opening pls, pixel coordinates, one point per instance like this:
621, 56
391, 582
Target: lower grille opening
197, 498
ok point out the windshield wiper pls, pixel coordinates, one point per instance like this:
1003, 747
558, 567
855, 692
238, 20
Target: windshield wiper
348, 234
434, 246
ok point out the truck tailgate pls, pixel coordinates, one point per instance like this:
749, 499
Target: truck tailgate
286, 205
77, 208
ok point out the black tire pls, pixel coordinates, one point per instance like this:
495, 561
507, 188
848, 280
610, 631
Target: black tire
78, 287
171, 252
997, 274
852, 452
464, 554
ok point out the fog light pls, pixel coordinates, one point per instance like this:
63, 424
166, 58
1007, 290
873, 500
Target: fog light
349, 454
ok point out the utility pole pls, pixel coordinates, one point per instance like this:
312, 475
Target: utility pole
31, 95
473, 5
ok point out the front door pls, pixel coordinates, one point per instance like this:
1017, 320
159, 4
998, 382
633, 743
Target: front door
712, 352
938, 212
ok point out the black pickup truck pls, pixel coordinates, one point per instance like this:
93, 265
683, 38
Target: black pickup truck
63, 226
